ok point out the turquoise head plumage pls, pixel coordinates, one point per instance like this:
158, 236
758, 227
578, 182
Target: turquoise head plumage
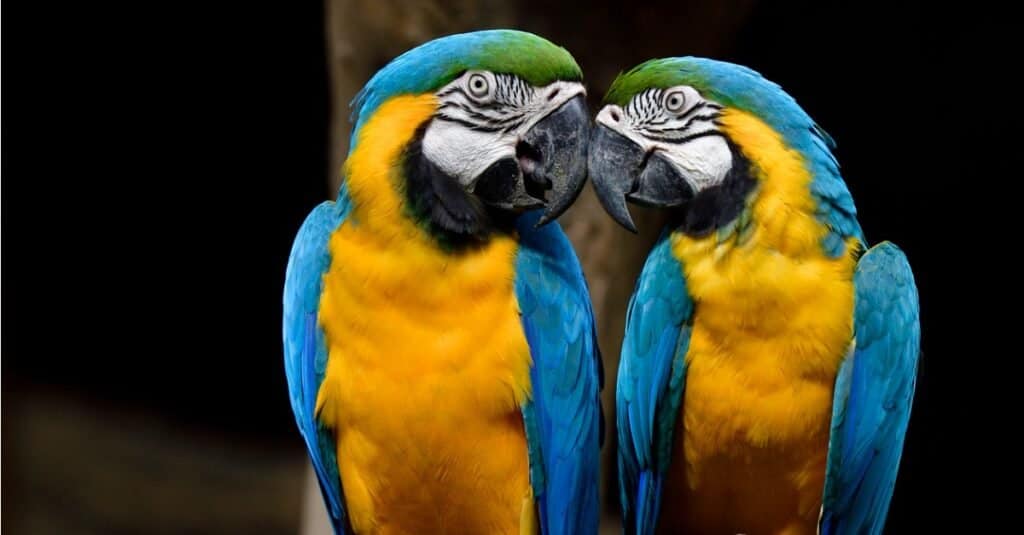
434, 64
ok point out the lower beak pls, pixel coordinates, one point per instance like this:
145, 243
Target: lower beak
553, 156
621, 170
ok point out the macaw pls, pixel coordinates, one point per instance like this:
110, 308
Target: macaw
438, 334
769, 360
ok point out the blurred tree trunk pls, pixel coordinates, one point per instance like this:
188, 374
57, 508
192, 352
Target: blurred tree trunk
605, 38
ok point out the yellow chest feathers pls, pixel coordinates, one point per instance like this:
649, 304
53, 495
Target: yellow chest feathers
396, 304
772, 322
409, 314
774, 314
428, 364
428, 368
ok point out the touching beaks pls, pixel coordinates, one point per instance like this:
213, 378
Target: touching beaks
621, 170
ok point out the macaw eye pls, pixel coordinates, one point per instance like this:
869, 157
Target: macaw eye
478, 86
675, 101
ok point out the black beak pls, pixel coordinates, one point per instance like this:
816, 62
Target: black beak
553, 156
621, 171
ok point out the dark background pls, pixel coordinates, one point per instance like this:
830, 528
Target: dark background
156, 166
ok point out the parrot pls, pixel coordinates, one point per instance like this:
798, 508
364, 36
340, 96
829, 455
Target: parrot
439, 339
770, 357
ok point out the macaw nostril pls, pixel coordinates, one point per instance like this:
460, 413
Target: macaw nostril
553, 94
615, 115
529, 158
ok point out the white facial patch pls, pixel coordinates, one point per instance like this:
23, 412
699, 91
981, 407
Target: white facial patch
465, 153
680, 125
703, 162
481, 117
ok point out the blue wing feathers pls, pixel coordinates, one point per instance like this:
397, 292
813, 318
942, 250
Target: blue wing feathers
650, 384
873, 390
563, 416
648, 501
873, 395
305, 350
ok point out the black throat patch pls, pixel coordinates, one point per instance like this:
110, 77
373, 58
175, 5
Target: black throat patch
718, 206
454, 217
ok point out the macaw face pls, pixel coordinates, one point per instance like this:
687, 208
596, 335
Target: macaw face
662, 148
510, 143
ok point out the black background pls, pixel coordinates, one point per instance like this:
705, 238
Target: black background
156, 166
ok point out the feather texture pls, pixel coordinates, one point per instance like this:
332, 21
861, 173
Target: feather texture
744, 89
563, 416
305, 350
650, 384
873, 395
431, 65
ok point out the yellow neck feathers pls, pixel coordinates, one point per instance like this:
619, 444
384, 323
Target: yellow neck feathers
779, 269
383, 259
373, 169
783, 211
428, 361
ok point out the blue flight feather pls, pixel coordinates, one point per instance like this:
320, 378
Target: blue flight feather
650, 384
873, 395
563, 416
305, 350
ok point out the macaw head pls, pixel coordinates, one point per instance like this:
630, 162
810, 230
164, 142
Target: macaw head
706, 137
472, 128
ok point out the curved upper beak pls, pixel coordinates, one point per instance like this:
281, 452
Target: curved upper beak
553, 156
621, 170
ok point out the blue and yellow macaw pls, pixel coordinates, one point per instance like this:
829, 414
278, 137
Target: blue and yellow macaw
769, 361
439, 339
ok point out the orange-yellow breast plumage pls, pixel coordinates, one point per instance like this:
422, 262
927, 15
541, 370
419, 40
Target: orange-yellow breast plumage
773, 321
428, 364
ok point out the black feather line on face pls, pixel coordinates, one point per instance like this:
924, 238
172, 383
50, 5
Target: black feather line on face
693, 109
441, 116
455, 218
685, 139
481, 120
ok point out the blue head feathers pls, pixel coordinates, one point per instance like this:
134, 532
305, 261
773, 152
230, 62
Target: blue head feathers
434, 64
